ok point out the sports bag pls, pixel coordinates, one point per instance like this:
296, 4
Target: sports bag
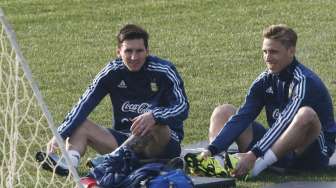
157, 175
141, 176
115, 168
171, 179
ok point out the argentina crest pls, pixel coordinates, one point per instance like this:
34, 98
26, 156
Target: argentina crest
154, 87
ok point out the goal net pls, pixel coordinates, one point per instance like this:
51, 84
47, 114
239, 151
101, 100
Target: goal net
25, 122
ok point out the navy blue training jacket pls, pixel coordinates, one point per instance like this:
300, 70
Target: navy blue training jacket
157, 87
282, 95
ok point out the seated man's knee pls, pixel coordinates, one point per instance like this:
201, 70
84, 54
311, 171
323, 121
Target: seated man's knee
307, 116
219, 117
160, 133
224, 111
152, 144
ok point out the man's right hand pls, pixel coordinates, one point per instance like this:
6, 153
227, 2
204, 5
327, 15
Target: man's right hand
52, 145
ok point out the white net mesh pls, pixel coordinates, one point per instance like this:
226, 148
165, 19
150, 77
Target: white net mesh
25, 123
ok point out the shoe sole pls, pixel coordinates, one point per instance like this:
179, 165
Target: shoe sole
50, 164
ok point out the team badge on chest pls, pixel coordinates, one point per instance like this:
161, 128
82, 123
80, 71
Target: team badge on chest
154, 87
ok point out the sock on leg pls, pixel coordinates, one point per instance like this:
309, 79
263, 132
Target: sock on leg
74, 157
262, 163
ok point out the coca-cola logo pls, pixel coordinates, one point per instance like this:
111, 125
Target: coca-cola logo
136, 108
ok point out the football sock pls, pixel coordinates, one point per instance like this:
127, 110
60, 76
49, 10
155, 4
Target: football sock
74, 157
220, 159
262, 163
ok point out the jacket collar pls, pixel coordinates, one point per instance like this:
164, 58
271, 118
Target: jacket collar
287, 73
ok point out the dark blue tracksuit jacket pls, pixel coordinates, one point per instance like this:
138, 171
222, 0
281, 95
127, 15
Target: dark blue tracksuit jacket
282, 95
157, 87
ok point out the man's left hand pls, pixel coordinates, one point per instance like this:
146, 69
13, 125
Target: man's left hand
142, 124
246, 163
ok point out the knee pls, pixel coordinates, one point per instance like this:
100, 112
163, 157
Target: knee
160, 133
307, 116
219, 117
224, 111
307, 113
154, 143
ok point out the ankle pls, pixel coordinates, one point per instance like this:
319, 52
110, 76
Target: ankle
74, 157
263, 163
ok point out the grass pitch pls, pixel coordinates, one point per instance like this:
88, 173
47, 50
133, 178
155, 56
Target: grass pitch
216, 46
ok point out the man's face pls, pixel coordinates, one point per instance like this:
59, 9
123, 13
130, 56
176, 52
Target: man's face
276, 55
133, 54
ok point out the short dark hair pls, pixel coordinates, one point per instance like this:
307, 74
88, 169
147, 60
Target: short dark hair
132, 31
281, 32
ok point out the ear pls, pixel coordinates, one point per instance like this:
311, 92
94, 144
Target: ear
118, 51
147, 51
291, 51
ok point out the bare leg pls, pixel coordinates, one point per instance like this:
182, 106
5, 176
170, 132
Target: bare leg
219, 117
302, 131
151, 145
99, 138
245, 139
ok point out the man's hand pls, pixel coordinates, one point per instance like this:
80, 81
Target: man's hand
246, 162
52, 145
142, 124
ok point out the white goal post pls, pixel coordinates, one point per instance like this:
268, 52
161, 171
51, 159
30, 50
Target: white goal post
26, 124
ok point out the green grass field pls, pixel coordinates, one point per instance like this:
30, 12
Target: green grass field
216, 46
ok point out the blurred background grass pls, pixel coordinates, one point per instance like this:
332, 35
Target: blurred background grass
216, 46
